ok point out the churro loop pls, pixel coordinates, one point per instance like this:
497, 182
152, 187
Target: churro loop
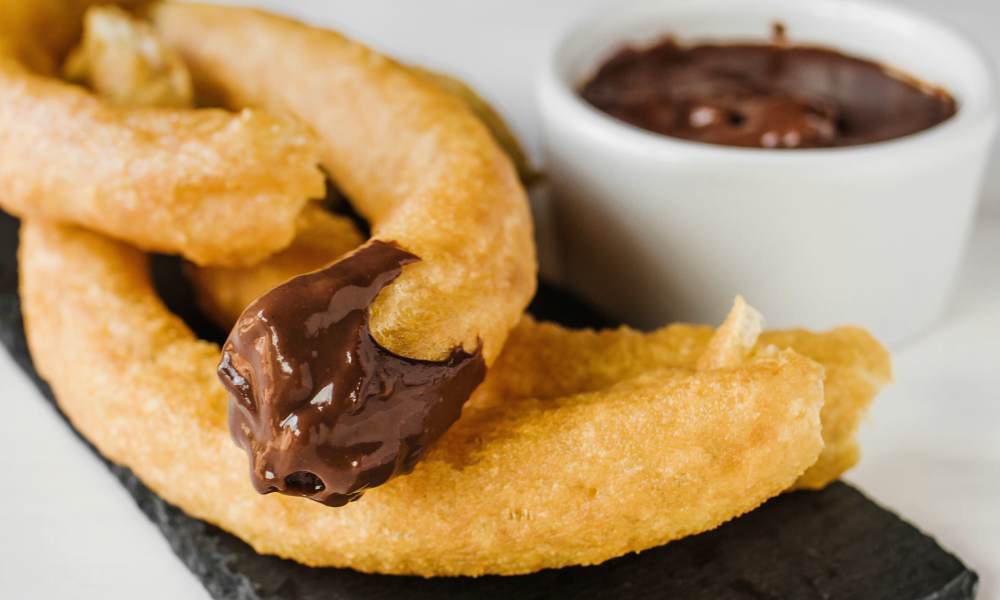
341, 378
217, 187
443, 198
623, 451
413, 159
322, 238
520, 483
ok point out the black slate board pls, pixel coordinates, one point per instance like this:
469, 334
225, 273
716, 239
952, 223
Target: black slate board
826, 545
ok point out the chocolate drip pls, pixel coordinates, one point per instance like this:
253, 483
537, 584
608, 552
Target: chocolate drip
763, 95
323, 410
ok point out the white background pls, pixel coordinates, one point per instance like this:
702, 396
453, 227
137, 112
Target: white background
931, 445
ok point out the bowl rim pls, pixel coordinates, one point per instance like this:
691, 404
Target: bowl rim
976, 115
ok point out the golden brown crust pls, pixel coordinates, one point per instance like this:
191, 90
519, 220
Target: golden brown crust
223, 292
217, 187
415, 161
123, 61
519, 484
489, 116
856, 368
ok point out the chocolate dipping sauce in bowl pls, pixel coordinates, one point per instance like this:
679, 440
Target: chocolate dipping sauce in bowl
827, 169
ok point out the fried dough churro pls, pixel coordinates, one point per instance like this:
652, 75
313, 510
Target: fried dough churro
322, 238
217, 187
488, 115
413, 159
125, 61
856, 366
518, 484
344, 368
451, 233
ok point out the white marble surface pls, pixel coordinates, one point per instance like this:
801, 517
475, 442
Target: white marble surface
931, 445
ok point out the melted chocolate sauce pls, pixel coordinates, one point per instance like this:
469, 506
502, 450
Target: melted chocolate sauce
763, 95
323, 410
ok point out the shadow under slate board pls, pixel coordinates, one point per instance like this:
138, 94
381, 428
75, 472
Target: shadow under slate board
830, 544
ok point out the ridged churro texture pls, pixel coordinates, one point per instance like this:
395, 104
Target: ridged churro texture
591, 463
414, 160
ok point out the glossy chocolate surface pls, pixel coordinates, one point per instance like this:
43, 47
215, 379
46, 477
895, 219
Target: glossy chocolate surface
763, 95
323, 410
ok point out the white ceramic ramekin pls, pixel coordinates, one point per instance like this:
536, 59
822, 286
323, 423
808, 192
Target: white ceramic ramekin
654, 229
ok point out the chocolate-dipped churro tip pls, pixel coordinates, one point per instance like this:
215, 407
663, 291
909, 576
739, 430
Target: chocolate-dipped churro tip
323, 410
